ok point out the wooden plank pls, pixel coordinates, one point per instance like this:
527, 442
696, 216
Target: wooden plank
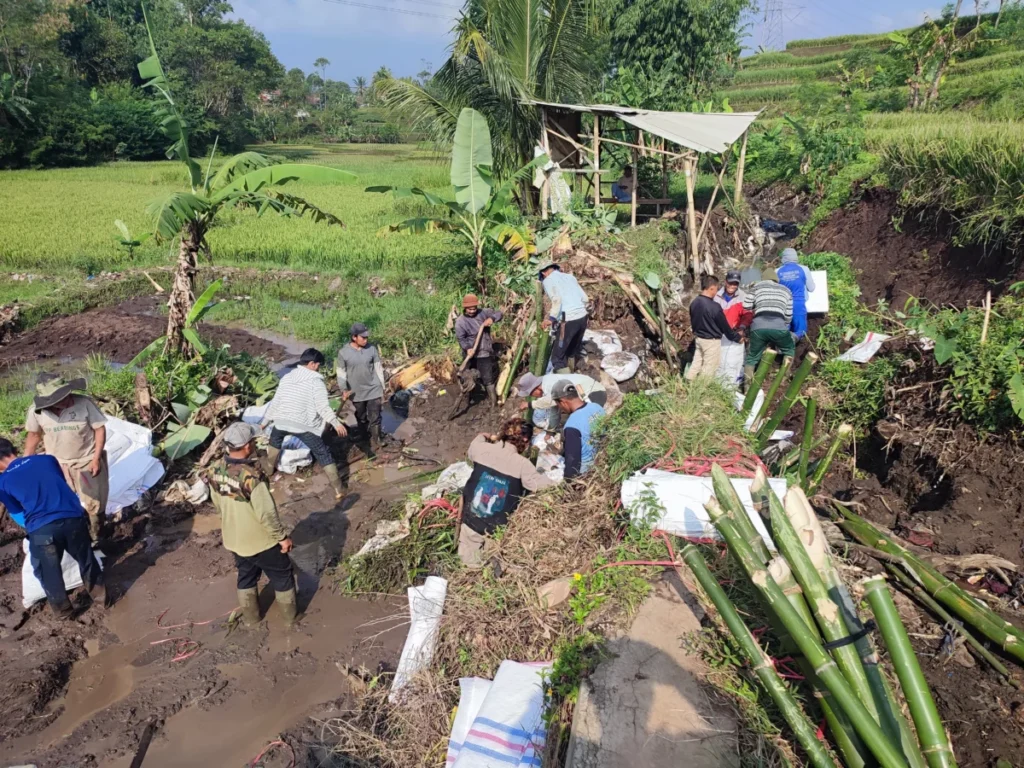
636, 186
691, 215
737, 195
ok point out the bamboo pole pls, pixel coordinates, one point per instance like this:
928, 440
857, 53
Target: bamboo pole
636, 188
664, 175
959, 602
517, 358
545, 188
597, 161
655, 150
691, 215
666, 339
915, 689
754, 386
874, 738
711, 203
805, 444
988, 316
765, 431
773, 390
737, 194
760, 662
842, 435
730, 500
947, 618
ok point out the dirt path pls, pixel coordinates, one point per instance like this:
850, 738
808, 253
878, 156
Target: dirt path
82, 693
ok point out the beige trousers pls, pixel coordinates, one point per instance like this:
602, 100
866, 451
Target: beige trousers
706, 359
471, 548
92, 492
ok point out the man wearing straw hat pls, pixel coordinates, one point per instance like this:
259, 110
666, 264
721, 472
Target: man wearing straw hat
72, 430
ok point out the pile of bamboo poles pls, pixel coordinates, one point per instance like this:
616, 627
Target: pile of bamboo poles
813, 613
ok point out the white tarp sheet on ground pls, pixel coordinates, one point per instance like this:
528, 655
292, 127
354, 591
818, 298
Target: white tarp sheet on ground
863, 352
294, 453
32, 591
426, 604
133, 470
675, 503
500, 723
817, 300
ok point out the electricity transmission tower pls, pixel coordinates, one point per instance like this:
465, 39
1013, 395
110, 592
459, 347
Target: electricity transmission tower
771, 25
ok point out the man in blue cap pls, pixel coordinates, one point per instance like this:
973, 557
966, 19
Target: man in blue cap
795, 276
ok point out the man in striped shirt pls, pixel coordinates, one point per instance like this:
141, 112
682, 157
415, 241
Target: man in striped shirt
772, 305
300, 407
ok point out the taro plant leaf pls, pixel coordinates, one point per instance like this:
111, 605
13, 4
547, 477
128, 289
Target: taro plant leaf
471, 149
182, 412
203, 303
185, 440
653, 281
200, 395
1016, 394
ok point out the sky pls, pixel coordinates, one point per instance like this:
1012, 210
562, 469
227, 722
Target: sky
359, 36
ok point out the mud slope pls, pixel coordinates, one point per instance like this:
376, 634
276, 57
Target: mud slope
917, 260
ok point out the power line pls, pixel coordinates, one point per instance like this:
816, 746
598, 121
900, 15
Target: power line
389, 8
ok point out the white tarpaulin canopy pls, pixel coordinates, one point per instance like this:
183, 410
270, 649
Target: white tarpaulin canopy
703, 132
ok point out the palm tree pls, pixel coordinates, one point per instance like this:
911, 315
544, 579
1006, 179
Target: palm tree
248, 181
322, 64
505, 52
360, 86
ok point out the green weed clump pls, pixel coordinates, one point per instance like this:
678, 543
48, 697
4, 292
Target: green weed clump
856, 391
970, 170
841, 189
683, 419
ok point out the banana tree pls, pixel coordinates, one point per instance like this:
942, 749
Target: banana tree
483, 210
248, 180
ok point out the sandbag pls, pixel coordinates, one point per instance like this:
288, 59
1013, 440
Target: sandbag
621, 366
607, 342
32, 591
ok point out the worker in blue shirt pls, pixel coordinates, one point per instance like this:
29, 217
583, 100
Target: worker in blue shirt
795, 276
578, 446
568, 315
39, 499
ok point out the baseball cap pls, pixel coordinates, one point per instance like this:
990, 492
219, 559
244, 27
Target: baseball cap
240, 434
732, 276
358, 329
527, 383
564, 389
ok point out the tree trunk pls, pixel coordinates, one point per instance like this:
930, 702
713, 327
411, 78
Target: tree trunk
1000, 14
977, 13
183, 293
956, 11
480, 276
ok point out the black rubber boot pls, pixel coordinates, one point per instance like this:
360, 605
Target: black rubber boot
269, 462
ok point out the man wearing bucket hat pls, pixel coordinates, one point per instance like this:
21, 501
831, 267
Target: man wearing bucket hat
467, 327
72, 430
361, 378
772, 305
250, 526
545, 411
568, 314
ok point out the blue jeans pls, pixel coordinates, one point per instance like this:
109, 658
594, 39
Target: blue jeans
47, 546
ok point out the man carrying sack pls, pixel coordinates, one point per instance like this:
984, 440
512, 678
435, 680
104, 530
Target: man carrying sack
72, 430
251, 528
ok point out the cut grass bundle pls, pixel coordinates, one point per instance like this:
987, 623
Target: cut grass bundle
683, 419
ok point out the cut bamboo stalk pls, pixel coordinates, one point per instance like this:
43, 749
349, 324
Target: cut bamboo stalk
691, 215
996, 629
737, 194
988, 316
754, 386
730, 500
666, 339
517, 358
793, 456
888, 755
947, 618
788, 399
760, 662
805, 552
805, 445
915, 689
773, 390
842, 435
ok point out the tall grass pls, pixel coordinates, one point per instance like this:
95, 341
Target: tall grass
826, 42
786, 59
971, 170
795, 74
996, 61
768, 94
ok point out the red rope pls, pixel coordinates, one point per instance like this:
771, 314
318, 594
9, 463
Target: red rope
188, 623
185, 647
736, 464
453, 513
270, 746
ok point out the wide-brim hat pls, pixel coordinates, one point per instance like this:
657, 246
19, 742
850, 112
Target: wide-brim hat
546, 265
51, 389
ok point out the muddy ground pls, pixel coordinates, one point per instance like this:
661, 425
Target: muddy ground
117, 333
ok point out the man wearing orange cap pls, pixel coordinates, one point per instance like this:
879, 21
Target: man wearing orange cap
473, 318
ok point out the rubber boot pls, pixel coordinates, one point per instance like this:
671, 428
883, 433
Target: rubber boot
98, 593
64, 611
331, 470
248, 611
748, 377
269, 462
492, 395
286, 601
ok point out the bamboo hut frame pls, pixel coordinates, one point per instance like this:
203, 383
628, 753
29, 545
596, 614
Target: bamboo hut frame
588, 149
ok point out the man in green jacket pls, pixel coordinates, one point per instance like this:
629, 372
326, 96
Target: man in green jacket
251, 529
